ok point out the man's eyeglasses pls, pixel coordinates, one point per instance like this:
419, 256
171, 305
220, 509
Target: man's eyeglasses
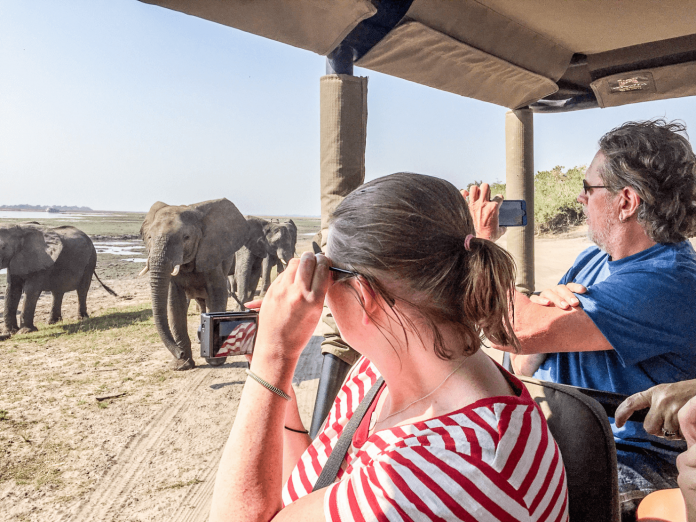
587, 187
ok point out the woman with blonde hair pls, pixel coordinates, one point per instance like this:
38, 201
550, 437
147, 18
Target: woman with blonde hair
439, 431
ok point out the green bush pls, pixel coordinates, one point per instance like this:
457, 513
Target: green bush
555, 198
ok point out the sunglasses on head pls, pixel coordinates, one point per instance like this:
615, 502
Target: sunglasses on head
343, 271
339, 271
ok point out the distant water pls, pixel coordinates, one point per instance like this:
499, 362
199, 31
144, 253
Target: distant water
36, 216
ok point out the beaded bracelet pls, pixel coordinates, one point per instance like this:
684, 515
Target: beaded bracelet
268, 385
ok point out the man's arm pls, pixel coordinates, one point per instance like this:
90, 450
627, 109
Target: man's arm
548, 329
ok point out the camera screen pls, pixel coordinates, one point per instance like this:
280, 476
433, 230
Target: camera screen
234, 338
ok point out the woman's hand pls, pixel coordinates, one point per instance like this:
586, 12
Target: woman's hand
561, 296
291, 309
484, 211
665, 402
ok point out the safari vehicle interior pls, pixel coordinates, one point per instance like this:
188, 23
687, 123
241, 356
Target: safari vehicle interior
531, 56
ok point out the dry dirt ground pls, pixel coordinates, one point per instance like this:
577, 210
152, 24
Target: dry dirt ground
94, 427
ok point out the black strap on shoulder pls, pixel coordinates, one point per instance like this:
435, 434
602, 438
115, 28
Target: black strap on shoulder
328, 474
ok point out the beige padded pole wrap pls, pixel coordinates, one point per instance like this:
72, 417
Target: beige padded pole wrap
519, 179
343, 128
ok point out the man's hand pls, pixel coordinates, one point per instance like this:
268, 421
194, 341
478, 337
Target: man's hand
665, 402
686, 462
561, 296
484, 211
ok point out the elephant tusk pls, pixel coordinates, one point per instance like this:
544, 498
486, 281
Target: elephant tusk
176, 270
146, 269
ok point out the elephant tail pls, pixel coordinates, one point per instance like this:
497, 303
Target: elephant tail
105, 287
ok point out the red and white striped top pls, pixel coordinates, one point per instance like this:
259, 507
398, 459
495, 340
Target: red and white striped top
492, 460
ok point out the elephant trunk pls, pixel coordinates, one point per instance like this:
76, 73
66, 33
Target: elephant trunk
160, 277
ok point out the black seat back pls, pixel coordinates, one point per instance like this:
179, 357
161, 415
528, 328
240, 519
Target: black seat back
583, 433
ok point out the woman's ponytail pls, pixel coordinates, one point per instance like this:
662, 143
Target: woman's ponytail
489, 291
416, 233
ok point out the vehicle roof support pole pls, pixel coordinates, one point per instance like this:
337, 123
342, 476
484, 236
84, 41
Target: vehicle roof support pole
519, 179
343, 135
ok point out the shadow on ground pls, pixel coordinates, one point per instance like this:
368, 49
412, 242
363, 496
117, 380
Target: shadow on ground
108, 321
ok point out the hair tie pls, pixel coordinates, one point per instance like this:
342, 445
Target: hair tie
467, 241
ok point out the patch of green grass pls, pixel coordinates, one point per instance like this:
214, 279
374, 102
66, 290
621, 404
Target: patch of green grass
38, 467
108, 326
116, 224
102, 405
4, 415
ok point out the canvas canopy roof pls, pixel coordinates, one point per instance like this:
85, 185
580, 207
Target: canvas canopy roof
550, 55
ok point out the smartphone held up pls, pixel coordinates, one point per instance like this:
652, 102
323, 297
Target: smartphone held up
513, 213
224, 334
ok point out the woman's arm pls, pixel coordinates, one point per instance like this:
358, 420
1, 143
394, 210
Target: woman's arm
249, 481
294, 444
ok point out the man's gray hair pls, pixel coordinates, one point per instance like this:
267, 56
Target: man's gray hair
654, 158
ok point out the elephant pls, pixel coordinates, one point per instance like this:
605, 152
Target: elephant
269, 244
282, 238
38, 259
191, 250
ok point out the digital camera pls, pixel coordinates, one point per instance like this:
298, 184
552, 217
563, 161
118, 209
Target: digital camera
224, 334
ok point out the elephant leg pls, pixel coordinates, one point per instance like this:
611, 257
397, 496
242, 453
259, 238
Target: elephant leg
32, 293
13, 293
201, 305
82, 290
178, 307
267, 265
243, 275
216, 288
55, 308
254, 278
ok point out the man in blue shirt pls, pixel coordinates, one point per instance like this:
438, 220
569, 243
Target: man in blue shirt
622, 318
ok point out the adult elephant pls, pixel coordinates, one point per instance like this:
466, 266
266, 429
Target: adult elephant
190, 252
269, 244
45, 259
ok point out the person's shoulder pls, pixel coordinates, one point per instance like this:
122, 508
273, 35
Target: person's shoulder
482, 436
662, 261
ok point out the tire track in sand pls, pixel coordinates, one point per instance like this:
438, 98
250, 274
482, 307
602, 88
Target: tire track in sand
119, 491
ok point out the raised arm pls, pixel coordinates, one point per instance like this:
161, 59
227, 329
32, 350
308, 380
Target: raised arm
249, 481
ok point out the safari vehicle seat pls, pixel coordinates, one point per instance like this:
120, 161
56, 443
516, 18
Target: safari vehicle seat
583, 433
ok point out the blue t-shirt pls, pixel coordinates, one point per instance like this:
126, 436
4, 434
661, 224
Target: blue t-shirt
645, 305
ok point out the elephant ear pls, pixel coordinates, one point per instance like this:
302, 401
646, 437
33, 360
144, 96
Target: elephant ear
38, 251
224, 232
293, 229
149, 219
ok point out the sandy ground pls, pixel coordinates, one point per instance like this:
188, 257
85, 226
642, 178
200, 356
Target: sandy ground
150, 451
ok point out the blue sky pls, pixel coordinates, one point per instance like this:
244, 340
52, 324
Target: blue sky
115, 104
